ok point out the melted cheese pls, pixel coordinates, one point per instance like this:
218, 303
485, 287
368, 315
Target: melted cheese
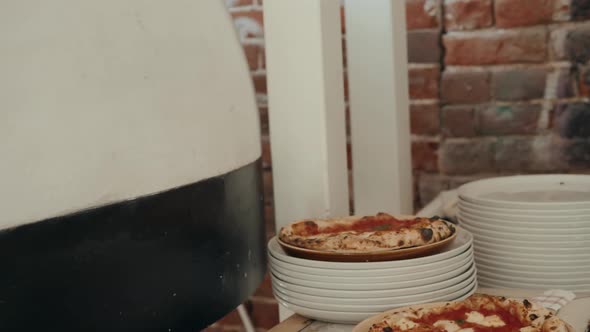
528, 329
448, 325
405, 324
489, 321
469, 329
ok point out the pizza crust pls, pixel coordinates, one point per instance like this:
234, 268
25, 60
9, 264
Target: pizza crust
426, 231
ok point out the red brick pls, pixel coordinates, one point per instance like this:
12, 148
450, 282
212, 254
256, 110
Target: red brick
265, 288
572, 120
344, 55
424, 82
252, 53
509, 119
584, 81
510, 13
459, 121
233, 318
263, 112
263, 57
264, 314
350, 194
347, 119
496, 46
466, 156
519, 83
269, 218
424, 46
468, 14
342, 19
348, 156
425, 119
259, 83
422, 14
346, 86
465, 86
425, 156
266, 157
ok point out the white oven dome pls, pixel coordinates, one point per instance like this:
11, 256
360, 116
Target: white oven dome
104, 101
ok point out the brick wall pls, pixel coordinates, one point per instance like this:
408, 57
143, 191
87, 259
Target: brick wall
505, 91
496, 87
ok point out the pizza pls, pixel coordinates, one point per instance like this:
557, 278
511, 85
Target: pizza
477, 313
366, 234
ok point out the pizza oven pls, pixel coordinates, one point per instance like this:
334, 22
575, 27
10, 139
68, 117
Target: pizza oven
130, 182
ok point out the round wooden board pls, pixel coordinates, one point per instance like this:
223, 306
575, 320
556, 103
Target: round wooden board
373, 256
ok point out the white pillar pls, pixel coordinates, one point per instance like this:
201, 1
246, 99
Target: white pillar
306, 109
379, 106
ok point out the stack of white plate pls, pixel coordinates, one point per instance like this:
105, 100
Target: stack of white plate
348, 293
530, 231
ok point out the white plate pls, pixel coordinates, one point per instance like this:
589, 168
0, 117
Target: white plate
548, 256
459, 245
426, 268
541, 221
508, 249
443, 295
485, 281
370, 285
535, 192
486, 266
567, 213
504, 225
395, 276
396, 300
509, 263
495, 274
563, 244
342, 317
510, 235
372, 293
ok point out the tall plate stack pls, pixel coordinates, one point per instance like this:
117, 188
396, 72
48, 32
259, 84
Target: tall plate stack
349, 292
530, 231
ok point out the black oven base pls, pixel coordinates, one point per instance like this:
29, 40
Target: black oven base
172, 261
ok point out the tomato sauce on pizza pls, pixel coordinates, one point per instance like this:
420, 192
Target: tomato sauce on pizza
505, 321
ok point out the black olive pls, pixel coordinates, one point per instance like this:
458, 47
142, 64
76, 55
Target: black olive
426, 234
526, 303
387, 329
533, 317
